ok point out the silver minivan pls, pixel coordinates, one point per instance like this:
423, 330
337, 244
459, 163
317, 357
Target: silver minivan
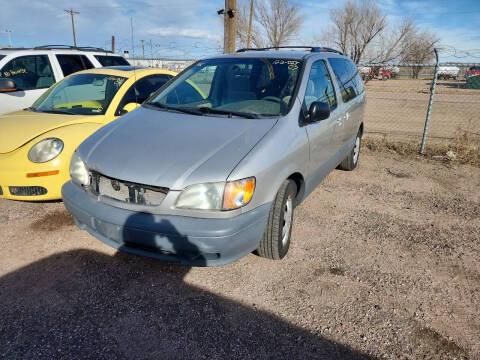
212, 165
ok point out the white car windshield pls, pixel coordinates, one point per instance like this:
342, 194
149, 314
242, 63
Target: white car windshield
81, 94
249, 87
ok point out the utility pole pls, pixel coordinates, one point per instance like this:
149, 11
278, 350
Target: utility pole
9, 32
229, 14
249, 36
72, 13
151, 53
143, 49
113, 43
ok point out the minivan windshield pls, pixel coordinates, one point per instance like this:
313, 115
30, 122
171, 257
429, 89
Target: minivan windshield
80, 94
247, 87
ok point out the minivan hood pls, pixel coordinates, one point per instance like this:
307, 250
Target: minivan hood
170, 149
18, 128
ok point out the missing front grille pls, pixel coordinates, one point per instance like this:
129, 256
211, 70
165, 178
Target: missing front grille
128, 192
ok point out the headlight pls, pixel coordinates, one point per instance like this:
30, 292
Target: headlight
78, 171
202, 197
217, 196
45, 150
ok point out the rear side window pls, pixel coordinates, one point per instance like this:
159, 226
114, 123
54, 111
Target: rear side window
142, 89
29, 72
106, 60
348, 78
320, 87
475, 68
73, 63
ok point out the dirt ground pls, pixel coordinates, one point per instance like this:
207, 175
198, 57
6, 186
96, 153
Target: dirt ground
383, 265
398, 108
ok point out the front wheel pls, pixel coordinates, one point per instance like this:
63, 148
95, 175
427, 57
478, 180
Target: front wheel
276, 238
351, 161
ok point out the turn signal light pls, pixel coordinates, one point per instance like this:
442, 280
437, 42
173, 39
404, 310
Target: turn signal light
238, 193
44, 173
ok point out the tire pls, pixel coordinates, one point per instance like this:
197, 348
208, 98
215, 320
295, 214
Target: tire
276, 238
351, 161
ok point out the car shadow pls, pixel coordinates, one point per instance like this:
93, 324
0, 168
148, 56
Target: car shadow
85, 304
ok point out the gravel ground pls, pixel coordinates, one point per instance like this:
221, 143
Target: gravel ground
383, 265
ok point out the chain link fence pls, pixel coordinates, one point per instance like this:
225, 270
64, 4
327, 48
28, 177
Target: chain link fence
398, 99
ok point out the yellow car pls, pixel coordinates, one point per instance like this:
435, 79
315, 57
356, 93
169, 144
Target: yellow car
36, 144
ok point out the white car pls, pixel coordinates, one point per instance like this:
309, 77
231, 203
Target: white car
34, 70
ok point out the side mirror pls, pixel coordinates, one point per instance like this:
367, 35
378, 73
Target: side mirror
129, 107
318, 111
7, 85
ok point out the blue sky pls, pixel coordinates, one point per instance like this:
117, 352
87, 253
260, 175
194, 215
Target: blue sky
191, 28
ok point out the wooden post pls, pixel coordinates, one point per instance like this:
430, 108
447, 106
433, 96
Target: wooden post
230, 26
249, 36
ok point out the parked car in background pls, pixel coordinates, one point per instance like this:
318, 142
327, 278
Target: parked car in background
374, 72
33, 71
36, 144
472, 71
448, 72
204, 179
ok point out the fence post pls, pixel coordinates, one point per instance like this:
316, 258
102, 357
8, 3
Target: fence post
430, 103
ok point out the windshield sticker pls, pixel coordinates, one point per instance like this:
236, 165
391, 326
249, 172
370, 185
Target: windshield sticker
14, 72
292, 64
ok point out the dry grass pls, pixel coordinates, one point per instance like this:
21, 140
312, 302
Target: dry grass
465, 147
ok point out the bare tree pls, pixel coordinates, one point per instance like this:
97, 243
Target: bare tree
276, 22
418, 49
355, 26
243, 14
391, 44
361, 31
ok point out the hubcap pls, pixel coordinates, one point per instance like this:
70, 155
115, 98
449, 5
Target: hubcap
356, 150
287, 220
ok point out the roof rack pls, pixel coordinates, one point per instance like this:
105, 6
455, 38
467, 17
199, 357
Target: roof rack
312, 49
80, 48
13, 48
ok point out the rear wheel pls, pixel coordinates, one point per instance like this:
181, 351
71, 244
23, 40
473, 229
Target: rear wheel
351, 161
276, 238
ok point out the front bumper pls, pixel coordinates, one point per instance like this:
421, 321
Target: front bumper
186, 240
16, 185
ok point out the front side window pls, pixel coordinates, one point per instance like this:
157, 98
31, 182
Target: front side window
142, 89
348, 78
72, 63
29, 72
320, 87
106, 60
1, 57
81, 94
250, 87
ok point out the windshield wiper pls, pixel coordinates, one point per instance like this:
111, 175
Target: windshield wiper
207, 110
59, 112
191, 111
